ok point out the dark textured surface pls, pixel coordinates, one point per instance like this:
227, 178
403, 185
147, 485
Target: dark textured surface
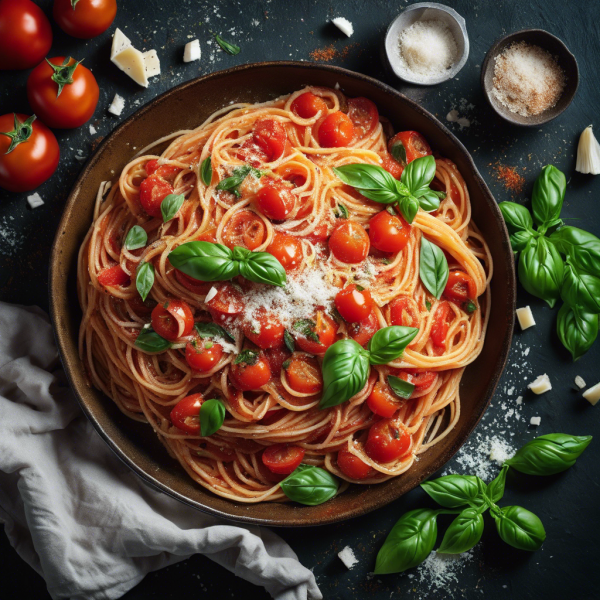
565, 567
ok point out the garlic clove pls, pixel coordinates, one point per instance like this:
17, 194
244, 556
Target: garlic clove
588, 153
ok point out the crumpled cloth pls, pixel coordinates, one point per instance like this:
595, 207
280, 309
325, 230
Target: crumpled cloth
87, 524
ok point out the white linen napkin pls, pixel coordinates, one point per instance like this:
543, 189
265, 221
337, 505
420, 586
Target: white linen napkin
81, 518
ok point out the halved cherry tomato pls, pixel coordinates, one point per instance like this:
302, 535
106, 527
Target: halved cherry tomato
185, 415
362, 331
167, 172
250, 153
352, 466
292, 173
389, 233
172, 319
203, 354
85, 19
387, 440
392, 166
252, 373
244, 229
404, 312
354, 304
282, 458
304, 375
226, 303
319, 234
193, 285
335, 130
349, 242
153, 190
275, 199
382, 401
460, 287
364, 116
265, 330
307, 105
324, 329
421, 381
287, 249
270, 136
276, 357
414, 145
439, 329
113, 276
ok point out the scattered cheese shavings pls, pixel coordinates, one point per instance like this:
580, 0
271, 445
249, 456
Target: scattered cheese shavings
520, 400
525, 317
588, 153
535, 421
93, 130
500, 451
191, 52
579, 382
541, 385
211, 294
117, 105
35, 200
348, 557
593, 394
343, 25
152, 63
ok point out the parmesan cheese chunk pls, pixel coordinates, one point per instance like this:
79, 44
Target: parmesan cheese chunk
343, 25
541, 385
117, 105
120, 42
131, 61
579, 382
593, 394
348, 557
535, 421
152, 63
211, 294
35, 200
191, 52
525, 317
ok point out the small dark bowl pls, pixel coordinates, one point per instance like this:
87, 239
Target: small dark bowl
546, 41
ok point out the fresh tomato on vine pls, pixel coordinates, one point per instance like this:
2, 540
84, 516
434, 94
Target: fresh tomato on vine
84, 18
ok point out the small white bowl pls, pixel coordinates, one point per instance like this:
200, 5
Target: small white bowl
426, 11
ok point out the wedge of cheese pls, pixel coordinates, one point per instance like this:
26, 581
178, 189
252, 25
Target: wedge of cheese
152, 63
119, 43
139, 66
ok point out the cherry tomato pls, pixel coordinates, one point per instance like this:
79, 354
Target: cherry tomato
275, 200
226, 303
292, 173
354, 304
460, 287
87, 19
167, 172
113, 276
392, 166
335, 130
404, 312
250, 374
304, 375
70, 106
352, 466
142, 308
421, 381
387, 440
362, 331
282, 458
173, 319
324, 329
250, 153
265, 330
185, 415
202, 355
200, 288
34, 156
244, 229
209, 235
307, 105
287, 249
270, 136
412, 145
382, 400
349, 242
153, 190
319, 234
25, 34
364, 116
276, 357
439, 329
389, 233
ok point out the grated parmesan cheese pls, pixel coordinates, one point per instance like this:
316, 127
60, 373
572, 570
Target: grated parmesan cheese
579, 382
541, 385
348, 557
117, 105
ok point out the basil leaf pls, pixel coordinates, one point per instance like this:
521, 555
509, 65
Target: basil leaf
464, 532
310, 485
418, 174
580, 289
409, 543
262, 267
409, 207
495, 489
398, 151
389, 343
520, 528
519, 240
433, 268
456, 491
212, 330
144, 279
250, 357
307, 328
212, 415
548, 196
582, 248
342, 212
430, 200
366, 177
149, 341
231, 184
205, 261
206, 171
516, 217
345, 372
229, 48
383, 196
577, 330
170, 206
136, 238
549, 454
401, 388
541, 270
288, 339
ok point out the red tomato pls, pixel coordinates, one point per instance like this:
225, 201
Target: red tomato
200, 288
460, 287
389, 233
203, 355
244, 229
270, 136
324, 329
404, 312
392, 166
354, 304
87, 19
250, 153
319, 234
33, 159
364, 116
250, 374
142, 308
173, 319
67, 108
113, 276
185, 415
275, 200
387, 441
153, 190
167, 172
276, 357
267, 332
282, 458
362, 331
209, 235
421, 381
304, 375
439, 329
287, 249
349, 242
226, 303
25, 34
352, 466
382, 400
307, 105
292, 173
335, 130
413, 144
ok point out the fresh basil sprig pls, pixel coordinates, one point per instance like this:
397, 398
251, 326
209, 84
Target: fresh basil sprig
229, 48
580, 289
519, 528
547, 198
464, 532
136, 238
577, 330
170, 206
541, 270
456, 491
206, 171
433, 267
149, 341
144, 279
288, 340
212, 330
402, 389
212, 415
231, 184
495, 488
389, 343
310, 485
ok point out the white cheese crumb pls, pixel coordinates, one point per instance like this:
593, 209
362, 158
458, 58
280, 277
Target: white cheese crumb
520, 400
152, 63
211, 294
541, 385
93, 130
500, 451
117, 105
347, 557
343, 25
191, 52
535, 421
593, 394
525, 317
579, 382
35, 200
336, 86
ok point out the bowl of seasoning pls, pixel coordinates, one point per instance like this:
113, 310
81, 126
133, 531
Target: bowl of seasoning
529, 77
427, 44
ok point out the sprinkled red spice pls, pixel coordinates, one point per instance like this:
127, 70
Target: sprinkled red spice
510, 177
329, 53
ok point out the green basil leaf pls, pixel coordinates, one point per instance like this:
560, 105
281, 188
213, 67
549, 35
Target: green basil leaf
136, 238
401, 388
250, 357
205, 261
464, 532
310, 485
307, 328
519, 240
383, 196
212, 330
212, 415
345, 372
170, 206
229, 48
433, 268
541, 270
549, 454
144, 279
389, 343
149, 341
577, 330
231, 184
289, 341
580, 289
548, 196
430, 200
409, 207
582, 248
398, 151
366, 177
520, 528
516, 217
409, 543
342, 212
495, 489
470, 307
456, 491
206, 170
418, 174
262, 267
